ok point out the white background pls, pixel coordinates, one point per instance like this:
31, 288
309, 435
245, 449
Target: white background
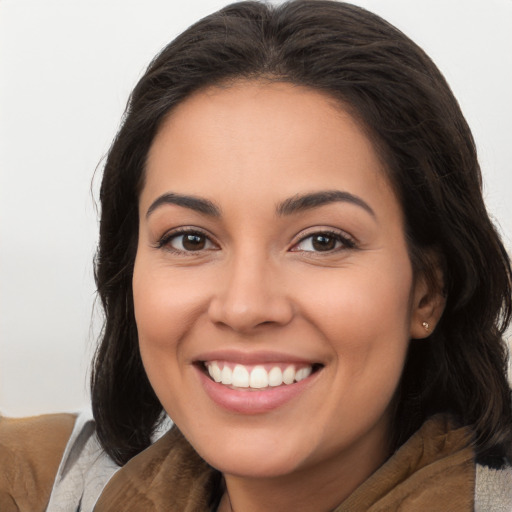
66, 69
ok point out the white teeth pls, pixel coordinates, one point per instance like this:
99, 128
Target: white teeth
215, 372
240, 376
226, 375
258, 378
275, 377
289, 375
303, 373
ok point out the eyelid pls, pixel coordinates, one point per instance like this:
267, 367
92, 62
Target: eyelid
347, 241
163, 241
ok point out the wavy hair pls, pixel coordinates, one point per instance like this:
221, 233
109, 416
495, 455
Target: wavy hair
396, 92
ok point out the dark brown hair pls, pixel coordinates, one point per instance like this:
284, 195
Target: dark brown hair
409, 112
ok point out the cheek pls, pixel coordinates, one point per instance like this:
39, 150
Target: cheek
166, 303
361, 303
364, 317
166, 308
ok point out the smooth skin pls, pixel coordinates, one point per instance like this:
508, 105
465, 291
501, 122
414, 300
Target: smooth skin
235, 270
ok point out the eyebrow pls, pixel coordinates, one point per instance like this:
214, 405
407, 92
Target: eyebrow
198, 204
300, 203
295, 204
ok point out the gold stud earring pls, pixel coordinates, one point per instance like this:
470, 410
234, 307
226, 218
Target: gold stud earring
426, 326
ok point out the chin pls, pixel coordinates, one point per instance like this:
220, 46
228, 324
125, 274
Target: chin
257, 456
254, 465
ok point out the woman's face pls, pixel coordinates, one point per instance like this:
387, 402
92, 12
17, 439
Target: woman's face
272, 257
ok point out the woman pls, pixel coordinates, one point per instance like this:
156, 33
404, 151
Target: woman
296, 265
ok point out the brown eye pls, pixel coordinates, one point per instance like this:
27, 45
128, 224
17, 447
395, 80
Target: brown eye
322, 242
192, 241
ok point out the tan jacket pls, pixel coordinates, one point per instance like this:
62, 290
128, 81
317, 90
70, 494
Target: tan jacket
433, 471
30, 453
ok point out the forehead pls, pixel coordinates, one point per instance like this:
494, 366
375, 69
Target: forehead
275, 138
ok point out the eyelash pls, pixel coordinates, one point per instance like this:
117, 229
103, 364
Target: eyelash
165, 241
345, 242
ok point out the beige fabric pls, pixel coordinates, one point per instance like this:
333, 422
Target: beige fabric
30, 453
493, 489
433, 471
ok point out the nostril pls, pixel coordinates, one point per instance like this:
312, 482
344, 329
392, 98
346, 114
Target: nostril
266, 322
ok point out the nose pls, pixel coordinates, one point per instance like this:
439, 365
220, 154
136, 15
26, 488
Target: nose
252, 294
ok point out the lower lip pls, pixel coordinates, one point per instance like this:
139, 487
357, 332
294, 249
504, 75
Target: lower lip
253, 401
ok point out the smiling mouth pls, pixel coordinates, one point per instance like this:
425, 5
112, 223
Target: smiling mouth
259, 376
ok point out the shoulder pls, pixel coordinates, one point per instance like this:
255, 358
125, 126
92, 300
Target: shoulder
30, 453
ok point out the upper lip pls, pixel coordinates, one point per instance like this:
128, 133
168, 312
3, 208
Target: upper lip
253, 357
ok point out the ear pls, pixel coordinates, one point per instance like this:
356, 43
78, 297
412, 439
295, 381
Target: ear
428, 302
